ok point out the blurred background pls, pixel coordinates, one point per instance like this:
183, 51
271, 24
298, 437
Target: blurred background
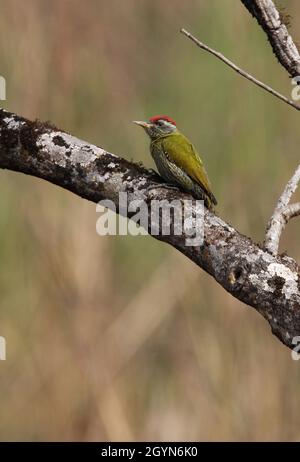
123, 338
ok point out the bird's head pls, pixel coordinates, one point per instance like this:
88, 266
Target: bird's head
157, 126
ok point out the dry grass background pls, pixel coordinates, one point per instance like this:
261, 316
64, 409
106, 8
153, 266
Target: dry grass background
122, 338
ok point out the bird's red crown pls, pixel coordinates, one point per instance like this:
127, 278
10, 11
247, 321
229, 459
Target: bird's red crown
162, 117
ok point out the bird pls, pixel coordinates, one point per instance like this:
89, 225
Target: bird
176, 159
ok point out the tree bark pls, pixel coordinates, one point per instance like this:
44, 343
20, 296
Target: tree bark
272, 22
268, 283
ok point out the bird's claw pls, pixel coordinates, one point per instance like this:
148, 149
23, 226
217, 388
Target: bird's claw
163, 185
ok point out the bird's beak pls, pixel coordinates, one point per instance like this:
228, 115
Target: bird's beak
142, 124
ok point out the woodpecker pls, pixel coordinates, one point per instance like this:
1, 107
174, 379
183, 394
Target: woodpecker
176, 159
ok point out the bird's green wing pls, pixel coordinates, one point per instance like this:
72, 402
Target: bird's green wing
180, 151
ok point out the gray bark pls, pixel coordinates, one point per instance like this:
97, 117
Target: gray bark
269, 18
268, 283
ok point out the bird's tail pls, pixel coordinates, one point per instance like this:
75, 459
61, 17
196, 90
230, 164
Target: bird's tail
209, 199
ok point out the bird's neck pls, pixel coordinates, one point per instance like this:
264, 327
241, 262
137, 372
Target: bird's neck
163, 135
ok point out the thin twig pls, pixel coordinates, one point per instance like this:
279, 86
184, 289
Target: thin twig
239, 70
282, 214
289, 190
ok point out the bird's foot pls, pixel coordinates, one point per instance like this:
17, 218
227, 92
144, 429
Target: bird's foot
163, 185
169, 186
152, 171
154, 175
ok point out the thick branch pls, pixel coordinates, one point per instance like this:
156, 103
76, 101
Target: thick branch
267, 283
282, 43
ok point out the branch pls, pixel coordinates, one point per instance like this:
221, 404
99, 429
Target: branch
282, 214
268, 283
281, 41
239, 70
288, 55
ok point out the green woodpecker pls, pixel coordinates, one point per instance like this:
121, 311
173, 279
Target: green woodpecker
176, 159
